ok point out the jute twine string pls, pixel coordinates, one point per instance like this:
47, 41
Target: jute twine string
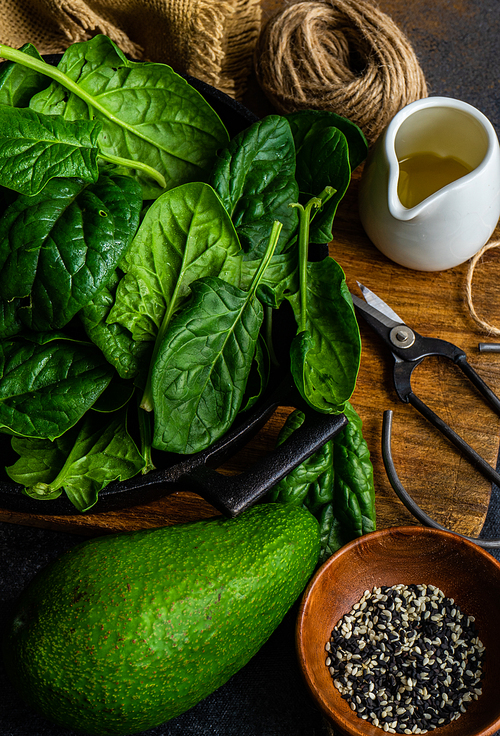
340, 55
468, 288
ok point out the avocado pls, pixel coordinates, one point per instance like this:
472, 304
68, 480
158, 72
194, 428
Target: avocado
126, 631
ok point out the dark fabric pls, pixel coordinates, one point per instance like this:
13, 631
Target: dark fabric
491, 528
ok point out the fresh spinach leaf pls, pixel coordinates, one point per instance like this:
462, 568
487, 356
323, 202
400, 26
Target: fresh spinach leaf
354, 491
310, 483
185, 234
37, 148
82, 462
61, 246
152, 119
199, 377
18, 84
258, 377
335, 484
201, 370
280, 278
10, 324
326, 351
325, 356
255, 178
303, 120
328, 147
129, 357
46, 386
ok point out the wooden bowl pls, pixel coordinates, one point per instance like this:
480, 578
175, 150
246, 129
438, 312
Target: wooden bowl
406, 555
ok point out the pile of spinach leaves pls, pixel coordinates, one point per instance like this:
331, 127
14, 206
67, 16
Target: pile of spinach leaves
142, 255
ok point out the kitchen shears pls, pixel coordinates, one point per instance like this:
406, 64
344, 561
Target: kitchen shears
409, 349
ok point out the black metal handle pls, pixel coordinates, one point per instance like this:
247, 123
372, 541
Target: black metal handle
478, 382
233, 494
405, 497
455, 439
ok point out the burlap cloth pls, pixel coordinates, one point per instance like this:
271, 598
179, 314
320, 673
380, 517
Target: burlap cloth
212, 40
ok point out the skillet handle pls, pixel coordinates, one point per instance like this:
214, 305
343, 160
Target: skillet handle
232, 494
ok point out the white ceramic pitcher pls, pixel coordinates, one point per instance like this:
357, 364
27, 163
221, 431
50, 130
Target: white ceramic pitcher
453, 223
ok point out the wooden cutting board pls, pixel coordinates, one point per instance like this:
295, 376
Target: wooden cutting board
441, 481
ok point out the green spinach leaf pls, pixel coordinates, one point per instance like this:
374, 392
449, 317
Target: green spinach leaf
60, 247
326, 351
152, 119
10, 324
18, 84
354, 492
311, 482
325, 356
302, 120
335, 484
280, 279
37, 148
129, 357
255, 178
47, 385
259, 375
201, 370
185, 234
81, 462
328, 148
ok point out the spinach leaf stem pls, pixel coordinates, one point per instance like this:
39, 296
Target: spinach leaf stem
146, 439
271, 247
305, 217
268, 334
6, 52
304, 224
131, 164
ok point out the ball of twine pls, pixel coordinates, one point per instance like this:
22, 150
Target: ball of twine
346, 56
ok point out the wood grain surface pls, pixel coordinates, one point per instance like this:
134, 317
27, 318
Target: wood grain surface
441, 481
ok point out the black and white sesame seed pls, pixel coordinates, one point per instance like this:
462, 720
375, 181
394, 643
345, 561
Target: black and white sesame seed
406, 658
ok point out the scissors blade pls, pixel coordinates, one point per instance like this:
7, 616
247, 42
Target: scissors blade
378, 318
378, 303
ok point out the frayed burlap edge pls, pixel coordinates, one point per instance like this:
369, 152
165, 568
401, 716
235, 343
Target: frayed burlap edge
226, 34
78, 22
212, 40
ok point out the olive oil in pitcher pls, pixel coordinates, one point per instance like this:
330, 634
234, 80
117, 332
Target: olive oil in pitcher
424, 173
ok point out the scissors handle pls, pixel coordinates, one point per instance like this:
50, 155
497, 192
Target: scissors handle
403, 371
455, 438
478, 382
405, 497
402, 382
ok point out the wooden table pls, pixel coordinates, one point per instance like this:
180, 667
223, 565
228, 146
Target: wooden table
444, 483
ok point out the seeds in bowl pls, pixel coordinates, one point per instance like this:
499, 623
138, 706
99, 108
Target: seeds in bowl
406, 658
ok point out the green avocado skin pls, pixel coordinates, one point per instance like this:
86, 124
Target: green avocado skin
126, 631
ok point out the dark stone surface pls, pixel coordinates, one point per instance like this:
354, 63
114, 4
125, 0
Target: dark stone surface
457, 44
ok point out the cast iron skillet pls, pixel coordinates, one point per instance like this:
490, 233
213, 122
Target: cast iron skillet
228, 494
